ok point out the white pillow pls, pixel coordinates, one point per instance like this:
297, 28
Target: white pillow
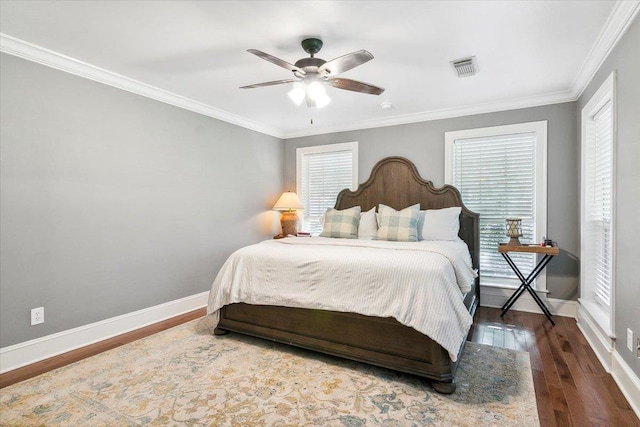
441, 224
368, 224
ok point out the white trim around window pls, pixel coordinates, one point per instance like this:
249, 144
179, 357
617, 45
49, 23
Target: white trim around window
536, 132
597, 205
330, 162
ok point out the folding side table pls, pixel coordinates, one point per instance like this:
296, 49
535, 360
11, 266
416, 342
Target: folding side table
525, 283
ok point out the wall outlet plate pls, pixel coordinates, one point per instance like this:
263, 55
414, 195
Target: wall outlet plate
629, 339
37, 316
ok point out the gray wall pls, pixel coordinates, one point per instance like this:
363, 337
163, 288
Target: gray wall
423, 143
112, 202
625, 58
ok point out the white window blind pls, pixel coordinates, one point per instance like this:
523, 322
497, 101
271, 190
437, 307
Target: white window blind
598, 255
322, 175
496, 176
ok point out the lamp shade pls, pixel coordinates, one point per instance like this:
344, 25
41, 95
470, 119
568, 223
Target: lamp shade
289, 201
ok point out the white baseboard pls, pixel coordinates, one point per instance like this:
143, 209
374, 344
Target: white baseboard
28, 352
627, 380
496, 297
601, 344
604, 348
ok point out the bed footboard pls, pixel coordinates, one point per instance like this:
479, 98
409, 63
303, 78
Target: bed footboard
378, 341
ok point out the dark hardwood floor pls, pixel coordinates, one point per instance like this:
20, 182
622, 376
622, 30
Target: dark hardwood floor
572, 388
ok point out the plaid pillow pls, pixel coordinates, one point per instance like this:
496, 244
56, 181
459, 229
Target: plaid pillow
399, 226
342, 223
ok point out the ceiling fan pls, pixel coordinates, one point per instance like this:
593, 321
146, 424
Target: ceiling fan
311, 74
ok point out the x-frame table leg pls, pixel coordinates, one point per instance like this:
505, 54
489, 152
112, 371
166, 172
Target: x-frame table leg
525, 285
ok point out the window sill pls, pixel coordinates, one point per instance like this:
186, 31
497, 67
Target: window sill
599, 315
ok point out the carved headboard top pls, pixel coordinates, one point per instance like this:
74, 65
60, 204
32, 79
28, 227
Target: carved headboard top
395, 182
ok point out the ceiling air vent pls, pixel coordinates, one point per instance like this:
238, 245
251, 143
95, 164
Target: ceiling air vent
465, 67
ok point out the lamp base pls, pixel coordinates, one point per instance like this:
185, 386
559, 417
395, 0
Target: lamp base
514, 241
289, 223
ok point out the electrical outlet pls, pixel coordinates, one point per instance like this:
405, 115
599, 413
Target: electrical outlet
37, 316
629, 339
638, 348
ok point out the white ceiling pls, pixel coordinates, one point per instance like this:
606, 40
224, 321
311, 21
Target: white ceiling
528, 52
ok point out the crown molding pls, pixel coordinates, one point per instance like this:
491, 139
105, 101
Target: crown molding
22, 49
619, 20
446, 113
617, 24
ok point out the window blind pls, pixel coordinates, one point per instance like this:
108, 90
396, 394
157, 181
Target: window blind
598, 257
496, 176
324, 175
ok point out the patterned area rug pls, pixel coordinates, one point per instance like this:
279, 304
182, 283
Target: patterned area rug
186, 376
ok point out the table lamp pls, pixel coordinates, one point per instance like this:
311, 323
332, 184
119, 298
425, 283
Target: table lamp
514, 230
288, 204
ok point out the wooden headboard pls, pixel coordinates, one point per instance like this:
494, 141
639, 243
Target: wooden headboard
395, 182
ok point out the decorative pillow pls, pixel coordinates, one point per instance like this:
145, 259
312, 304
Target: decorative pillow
421, 224
441, 224
399, 226
343, 224
368, 224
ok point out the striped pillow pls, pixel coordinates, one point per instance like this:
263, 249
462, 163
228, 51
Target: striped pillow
342, 223
399, 226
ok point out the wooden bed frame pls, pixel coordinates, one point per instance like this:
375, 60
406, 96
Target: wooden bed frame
384, 342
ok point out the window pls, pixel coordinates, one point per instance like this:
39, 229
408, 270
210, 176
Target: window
322, 172
501, 173
597, 219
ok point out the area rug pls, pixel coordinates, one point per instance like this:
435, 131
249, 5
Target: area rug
185, 376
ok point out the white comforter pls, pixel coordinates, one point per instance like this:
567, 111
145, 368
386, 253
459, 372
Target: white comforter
420, 284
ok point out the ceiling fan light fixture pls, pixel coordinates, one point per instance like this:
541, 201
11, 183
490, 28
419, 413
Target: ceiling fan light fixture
314, 94
313, 74
316, 90
297, 94
322, 100
318, 94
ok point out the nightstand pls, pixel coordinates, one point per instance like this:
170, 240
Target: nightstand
525, 283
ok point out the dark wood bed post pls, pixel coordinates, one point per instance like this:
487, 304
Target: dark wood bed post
385, 342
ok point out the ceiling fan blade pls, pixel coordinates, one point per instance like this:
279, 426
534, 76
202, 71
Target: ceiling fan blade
279, 62
275, 82
354, 85
345, 63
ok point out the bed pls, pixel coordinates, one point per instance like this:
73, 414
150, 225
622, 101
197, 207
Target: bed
359, 335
